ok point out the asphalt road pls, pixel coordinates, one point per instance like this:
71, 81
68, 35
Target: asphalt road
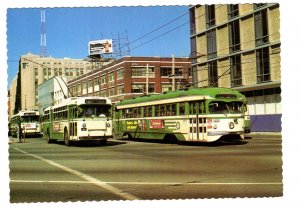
135, 170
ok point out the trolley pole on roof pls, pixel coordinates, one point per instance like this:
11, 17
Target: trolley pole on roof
173, 72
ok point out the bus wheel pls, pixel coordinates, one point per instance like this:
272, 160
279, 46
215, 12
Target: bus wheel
66, 138
170, 138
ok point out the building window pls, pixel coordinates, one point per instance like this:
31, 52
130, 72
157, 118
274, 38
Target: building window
262, 65
142, 71
90, 84
120, 73
167, 71
78, 89
111, 77
103, 93
257, 6
211, 44
111, 91
141, 88
235, 71
192, 21
45, 71
213, 74
210, 15
103, 79
66, 71
166, 87
261, 27
121, 89
233, 10
234, 36
96, 81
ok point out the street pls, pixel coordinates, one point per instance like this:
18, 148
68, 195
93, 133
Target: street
143, 170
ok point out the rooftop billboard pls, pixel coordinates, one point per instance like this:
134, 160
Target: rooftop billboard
100, 47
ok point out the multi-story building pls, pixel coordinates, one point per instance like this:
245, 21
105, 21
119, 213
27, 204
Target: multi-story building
238, 46
12, 96
131, 76
52, 92
34, 70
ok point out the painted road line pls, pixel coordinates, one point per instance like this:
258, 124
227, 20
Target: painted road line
86, 177
147, 183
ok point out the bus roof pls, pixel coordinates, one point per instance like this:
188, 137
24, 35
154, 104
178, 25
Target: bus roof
207, 93
78, 101
26, 113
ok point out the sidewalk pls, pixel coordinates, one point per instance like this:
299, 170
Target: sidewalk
265, 133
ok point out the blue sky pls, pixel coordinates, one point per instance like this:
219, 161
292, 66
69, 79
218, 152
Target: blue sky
68, 31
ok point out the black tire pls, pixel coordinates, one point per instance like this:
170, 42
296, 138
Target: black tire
170, 139
66, 138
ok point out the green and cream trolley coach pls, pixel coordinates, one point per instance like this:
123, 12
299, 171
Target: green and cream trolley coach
79, 119
193, 114
29, 121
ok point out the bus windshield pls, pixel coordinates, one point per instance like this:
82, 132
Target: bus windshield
30, 119
93, 110
220, 107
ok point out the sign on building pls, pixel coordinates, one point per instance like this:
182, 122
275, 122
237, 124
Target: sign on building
100, 47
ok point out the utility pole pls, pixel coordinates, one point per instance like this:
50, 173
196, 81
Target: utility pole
147, 79
173, 72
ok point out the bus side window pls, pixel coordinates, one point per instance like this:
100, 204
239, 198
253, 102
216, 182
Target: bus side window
162, 110
156, 111
181, 108
201, 107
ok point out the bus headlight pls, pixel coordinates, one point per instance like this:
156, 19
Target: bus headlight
84, 125
107, 124
231, 125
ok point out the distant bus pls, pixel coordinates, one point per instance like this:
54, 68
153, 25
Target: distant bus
78, 119
29, 120
199, 114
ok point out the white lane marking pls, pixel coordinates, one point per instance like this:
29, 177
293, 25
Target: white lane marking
145, 183
86, 177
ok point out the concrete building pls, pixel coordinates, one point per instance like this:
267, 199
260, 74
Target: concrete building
12, 96
238, 46
35, 70
128, 77
51, 92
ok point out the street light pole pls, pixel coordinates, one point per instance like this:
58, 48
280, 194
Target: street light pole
173, 72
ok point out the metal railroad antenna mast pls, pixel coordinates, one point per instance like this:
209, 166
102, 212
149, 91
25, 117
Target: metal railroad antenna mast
43, 50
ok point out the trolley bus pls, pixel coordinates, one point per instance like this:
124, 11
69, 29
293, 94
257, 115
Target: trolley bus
29, 122
193, 114
78, 119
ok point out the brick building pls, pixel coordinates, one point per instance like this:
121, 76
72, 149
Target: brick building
127, 77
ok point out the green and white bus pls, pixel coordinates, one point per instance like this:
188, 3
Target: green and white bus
30, 123
78, 119
198, 114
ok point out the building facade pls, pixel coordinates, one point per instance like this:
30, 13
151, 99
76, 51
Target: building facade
131, 76
35, 70
12, 96
238, 46
52, 92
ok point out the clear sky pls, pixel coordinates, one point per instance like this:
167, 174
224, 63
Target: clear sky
160, 30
